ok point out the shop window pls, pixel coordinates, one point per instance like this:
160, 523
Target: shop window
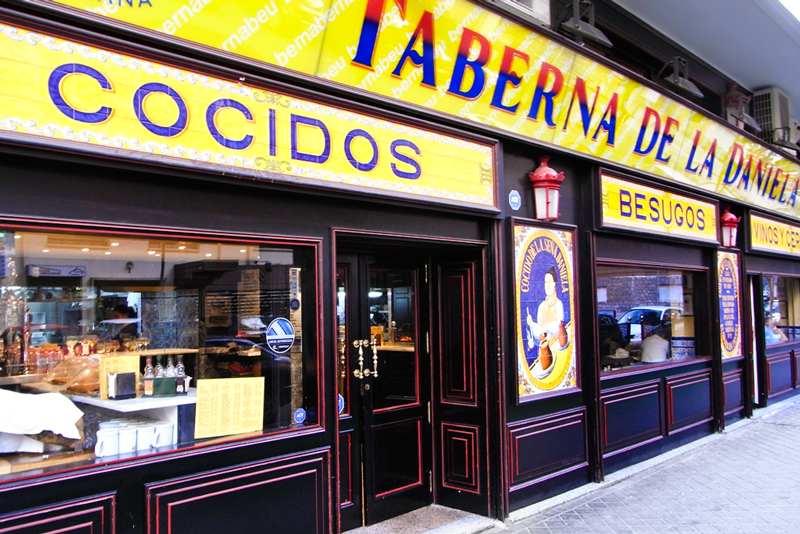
646, 317
115, 346
781, 309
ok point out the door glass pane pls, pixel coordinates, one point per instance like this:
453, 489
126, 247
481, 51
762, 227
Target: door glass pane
341, 338
393, 325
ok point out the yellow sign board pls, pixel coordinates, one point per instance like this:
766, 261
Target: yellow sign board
633, 206
772, 236
82, 97
463, 60
228, 406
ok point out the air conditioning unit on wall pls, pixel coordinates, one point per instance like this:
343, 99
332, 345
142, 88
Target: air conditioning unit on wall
772, 108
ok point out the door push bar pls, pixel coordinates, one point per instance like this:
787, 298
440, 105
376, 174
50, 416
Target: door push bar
362, 373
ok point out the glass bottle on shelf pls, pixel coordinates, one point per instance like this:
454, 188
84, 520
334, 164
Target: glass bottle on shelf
170, 370
180, 374
159, 368
149, 372
147, 378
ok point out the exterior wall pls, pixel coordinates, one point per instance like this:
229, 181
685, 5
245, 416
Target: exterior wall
538, 447
134, 495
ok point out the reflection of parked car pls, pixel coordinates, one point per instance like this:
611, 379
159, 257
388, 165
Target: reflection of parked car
647, 316
252, 327
235, 357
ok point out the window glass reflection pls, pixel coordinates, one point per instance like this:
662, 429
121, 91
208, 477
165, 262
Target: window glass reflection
646, 316
781, 300
108, 320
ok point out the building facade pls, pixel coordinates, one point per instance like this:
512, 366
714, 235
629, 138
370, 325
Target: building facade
290, 265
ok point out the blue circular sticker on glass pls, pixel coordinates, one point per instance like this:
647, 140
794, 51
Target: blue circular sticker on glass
514, 200
299, 415
294, 304
280, 335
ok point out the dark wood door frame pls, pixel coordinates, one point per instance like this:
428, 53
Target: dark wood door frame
461, 428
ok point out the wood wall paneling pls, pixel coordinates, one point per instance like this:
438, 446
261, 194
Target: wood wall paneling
732, 391
631, 416
458, 359
689, 400
92, 515
779, 373
542, 447
253, 497
461, 457
345, 468
394, 473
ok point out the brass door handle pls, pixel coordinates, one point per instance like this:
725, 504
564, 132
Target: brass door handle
361, 373
374, 357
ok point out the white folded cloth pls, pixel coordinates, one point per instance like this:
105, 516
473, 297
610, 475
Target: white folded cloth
26, 413
19, 443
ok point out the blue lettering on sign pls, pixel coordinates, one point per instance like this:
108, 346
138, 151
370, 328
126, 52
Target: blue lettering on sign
625, 203
303, 156
164, 131
635, 205
54, 88
638, 205
129, 3
372, 163
408, 160
404, 166
211, 116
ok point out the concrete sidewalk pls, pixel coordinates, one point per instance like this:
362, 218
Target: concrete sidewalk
746, 479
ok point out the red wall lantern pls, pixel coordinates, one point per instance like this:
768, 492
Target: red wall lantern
730, 224
546, 190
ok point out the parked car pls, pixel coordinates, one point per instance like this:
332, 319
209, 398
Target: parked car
633, 319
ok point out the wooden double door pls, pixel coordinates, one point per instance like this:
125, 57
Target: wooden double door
408, 341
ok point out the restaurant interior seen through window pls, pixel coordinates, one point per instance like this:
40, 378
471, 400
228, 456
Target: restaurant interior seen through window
781, 309
115, 346
646, 316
